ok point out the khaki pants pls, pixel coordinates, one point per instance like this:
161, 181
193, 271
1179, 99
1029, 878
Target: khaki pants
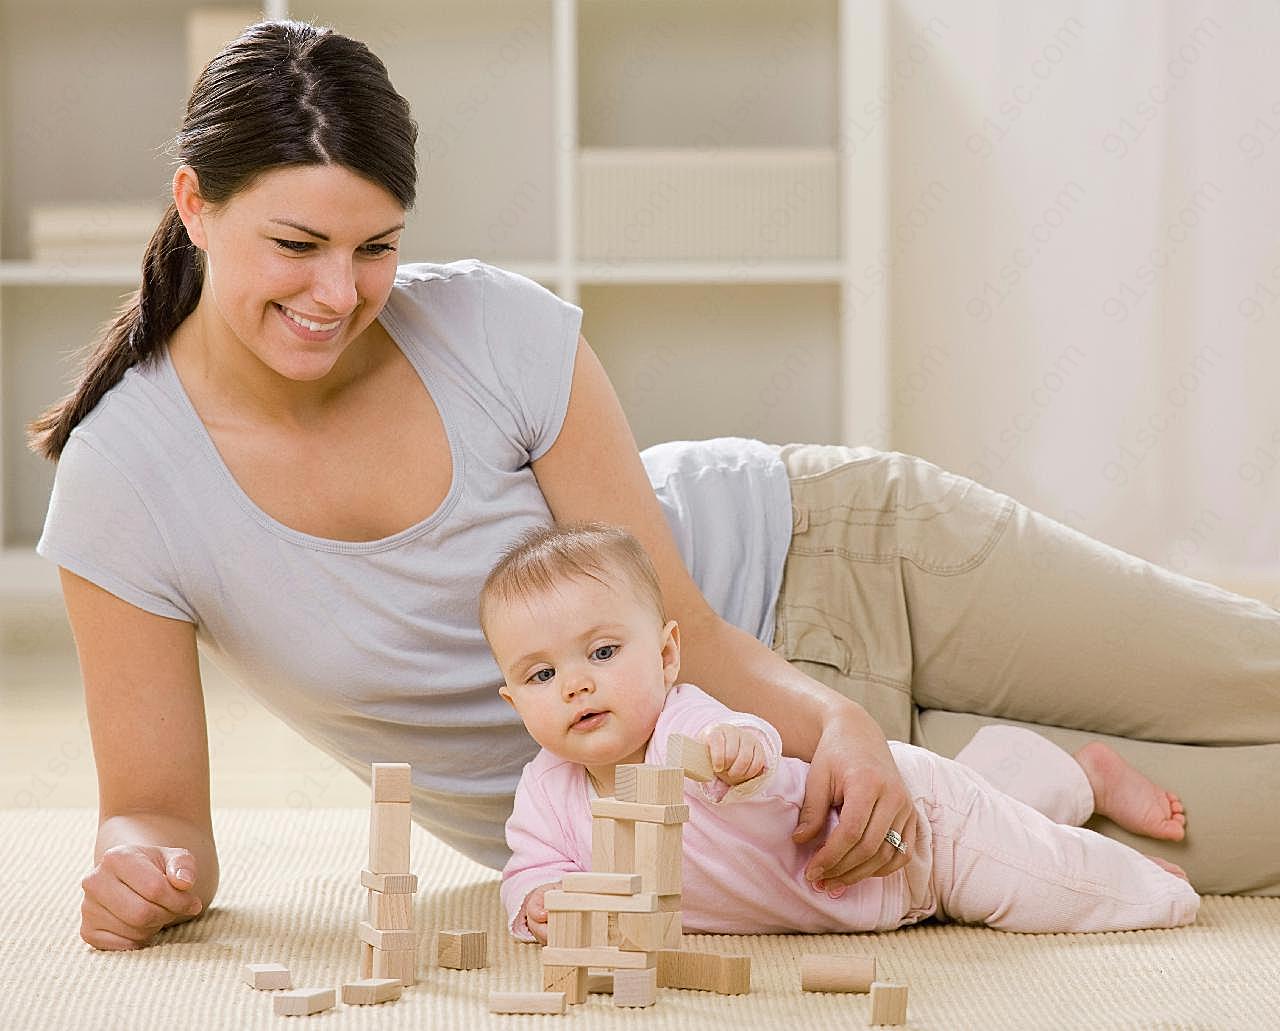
942, 606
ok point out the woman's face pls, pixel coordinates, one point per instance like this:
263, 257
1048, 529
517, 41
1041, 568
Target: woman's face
315, 242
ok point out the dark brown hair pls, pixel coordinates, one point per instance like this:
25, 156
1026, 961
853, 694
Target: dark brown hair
544, 556
282, 93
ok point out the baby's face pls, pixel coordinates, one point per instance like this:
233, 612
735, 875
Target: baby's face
587, 666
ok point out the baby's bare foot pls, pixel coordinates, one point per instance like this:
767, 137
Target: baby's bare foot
1173, 868
1124, 795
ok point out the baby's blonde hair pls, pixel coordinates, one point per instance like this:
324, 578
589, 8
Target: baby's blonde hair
544, 556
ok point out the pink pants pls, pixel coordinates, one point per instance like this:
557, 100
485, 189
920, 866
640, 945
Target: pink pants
1000, 859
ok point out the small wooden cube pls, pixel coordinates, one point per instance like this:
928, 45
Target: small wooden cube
600, 983
635, 987
392, 782
401, 964
390, 911
888, 1003
371, 990
822, 973
526, 1002
302, 1002
694, 757
659, 785
462, 950
266, 976
568, 981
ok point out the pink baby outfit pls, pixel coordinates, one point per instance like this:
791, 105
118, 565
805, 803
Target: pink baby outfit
982, 856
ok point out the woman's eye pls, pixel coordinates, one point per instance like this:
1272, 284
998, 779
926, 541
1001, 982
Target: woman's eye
604, 652
543, 675
375, 250
294, 246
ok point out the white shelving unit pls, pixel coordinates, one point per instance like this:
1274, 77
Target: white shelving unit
699, 175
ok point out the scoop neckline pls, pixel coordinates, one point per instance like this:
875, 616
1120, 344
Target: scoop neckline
389, 323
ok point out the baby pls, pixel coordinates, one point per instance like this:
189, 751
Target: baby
574, 617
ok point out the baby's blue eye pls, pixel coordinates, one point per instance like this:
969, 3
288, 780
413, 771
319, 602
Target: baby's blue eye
538, 677
604, 652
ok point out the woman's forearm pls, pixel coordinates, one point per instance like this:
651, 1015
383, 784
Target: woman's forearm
167, 832
734, 667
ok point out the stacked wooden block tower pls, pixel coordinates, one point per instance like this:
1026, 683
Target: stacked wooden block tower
625, 914
388, 938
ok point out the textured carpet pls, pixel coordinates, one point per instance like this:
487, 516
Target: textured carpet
291, 893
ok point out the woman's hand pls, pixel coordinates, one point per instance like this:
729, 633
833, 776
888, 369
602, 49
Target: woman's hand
133, 892
535, 910
852, 769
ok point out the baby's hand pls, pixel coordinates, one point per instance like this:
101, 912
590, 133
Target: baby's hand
535, 910
737, 753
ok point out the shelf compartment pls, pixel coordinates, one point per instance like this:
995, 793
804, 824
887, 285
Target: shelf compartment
690, 204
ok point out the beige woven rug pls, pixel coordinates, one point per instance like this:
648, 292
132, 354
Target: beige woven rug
291, 893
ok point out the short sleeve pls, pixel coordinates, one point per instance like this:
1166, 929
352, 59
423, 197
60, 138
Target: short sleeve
532, 336
99, 527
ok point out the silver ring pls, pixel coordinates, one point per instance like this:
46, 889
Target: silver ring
895, 839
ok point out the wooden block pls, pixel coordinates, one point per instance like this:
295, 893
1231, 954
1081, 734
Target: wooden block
572, 981
371, 990
647, 932
824, 973
602, 883
366, 960
390, 912
389, 824
645, 902
693, 756
462, 950
658, 785
635, 987
304, 1001
392, 782
704, 971
616, 810
888, 1003
600, 983
659, 857
571, 929
390, 883
387, 941
526, 1002
595, 957
613, 845
401, 964
266, 976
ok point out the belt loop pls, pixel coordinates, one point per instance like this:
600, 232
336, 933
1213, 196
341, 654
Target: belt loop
799, 519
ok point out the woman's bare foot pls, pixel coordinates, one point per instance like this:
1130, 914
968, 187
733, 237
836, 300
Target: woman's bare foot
1124, 795
1173, 868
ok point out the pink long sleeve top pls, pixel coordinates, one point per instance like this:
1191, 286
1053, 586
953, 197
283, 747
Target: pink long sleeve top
742, 872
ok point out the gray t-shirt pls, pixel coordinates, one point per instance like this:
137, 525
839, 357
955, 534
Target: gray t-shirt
372, 650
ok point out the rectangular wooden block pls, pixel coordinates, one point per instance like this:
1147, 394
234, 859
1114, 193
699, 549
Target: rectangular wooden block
825, 973
616, 810
657, 785
526, 1002
390, 912
596, 957
390, 883
392, 782
888, 1003
601, 883
366, 960
303, 1001
635, 987
613, 845
401, 964
600, 983
462, 950
694, 757
659, 857
370, 991
570, 929
645, 902
266, 976
387, 941
704, 971
572, 981
389, 824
